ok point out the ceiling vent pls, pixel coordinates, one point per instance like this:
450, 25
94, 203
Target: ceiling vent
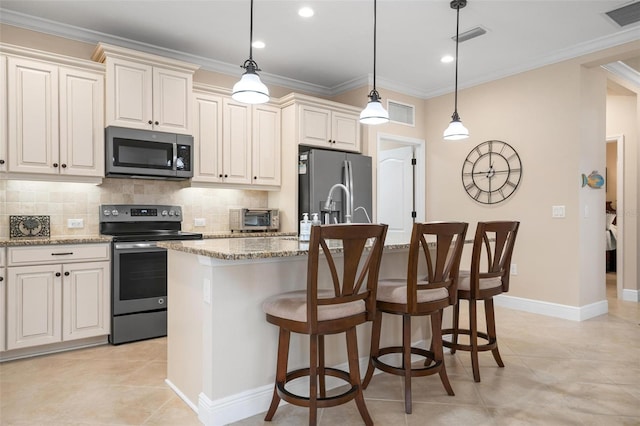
472, 33
626, 15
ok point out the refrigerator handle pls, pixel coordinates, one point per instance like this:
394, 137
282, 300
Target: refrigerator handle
349, 183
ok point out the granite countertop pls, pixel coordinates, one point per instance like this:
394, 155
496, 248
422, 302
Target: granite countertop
63, 239
253, 248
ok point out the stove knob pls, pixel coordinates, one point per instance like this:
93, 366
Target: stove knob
171, 213
164, 213
106, 212
177, 212
115, 212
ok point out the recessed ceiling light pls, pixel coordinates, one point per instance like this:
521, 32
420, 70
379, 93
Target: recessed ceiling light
305, 12
447, 59
258, 44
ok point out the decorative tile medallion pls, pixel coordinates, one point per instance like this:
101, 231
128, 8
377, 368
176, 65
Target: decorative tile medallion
29, 226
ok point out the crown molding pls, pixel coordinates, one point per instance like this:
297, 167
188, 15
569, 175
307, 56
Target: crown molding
624, 71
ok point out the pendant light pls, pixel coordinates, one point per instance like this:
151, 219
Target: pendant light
250, 90
374, 113
456, 129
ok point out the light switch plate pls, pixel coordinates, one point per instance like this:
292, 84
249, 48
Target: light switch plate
199, 221
557, 211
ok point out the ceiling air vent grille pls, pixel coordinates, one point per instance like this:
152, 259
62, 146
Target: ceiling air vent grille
626, 15
472, 33
401, 113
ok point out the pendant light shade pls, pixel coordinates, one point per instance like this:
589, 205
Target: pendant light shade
250, 90
456, 129
374, 112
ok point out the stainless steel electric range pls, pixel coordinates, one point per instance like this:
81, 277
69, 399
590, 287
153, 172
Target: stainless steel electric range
139, 267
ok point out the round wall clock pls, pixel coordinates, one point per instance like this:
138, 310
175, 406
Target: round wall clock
491, 172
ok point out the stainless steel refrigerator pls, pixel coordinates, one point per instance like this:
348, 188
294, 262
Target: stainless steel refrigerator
319, 170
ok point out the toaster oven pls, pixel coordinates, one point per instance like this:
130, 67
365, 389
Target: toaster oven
247, 220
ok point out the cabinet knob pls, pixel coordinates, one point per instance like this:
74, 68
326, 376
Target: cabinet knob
66, 274
64, 166
1, 161
156, 123
150, 121
226, 175
57, 274
1, 279
255, 177
55, 164
220, 175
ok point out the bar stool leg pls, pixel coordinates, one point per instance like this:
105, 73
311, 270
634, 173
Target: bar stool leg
313, 380
406, 360
281, 371
323, 387
491, 330
375, 347
456, 324
437, 349
354, 373
473, 327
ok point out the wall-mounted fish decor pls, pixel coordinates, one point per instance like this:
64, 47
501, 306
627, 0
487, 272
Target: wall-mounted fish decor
594, 180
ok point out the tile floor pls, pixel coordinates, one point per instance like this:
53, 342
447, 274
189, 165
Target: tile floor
557, 373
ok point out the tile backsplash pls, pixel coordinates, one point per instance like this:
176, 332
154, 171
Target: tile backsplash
62, 201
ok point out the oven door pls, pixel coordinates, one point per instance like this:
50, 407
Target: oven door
139, 277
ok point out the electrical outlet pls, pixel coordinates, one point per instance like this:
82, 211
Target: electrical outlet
75, 223
199, 221
514, 269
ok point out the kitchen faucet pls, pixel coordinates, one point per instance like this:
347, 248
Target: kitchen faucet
348, 214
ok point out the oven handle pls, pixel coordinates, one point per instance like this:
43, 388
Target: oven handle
124, 246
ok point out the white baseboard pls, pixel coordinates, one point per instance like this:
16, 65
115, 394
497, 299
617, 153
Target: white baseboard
630, 295
236, 407
557, 310
182, 396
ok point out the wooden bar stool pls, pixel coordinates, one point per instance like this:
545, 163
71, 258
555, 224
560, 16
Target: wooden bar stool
488, 277
417, 296
319, 312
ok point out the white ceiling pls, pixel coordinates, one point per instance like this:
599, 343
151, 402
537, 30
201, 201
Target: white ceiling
333, 51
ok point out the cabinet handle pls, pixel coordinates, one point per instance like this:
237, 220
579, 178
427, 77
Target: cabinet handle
150, 121
64, 166
57, 274
66, 274
55, 164
62, 254
1, 161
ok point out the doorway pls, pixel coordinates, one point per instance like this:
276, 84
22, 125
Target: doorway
400, 184
615, 206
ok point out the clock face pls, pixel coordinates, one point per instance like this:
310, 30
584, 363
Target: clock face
491, 172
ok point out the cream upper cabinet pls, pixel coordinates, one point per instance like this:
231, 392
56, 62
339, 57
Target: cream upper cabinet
55, 119
207, 138
3, 114
49, 302
329, 128
236, 143
266, 151
146, 91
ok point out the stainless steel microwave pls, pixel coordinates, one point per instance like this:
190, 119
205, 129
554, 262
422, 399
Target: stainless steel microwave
147, 154
244, 220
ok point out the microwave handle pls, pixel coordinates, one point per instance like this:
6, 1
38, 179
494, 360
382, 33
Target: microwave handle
175, 157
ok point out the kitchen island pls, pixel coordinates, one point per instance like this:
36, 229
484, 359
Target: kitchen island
221, 352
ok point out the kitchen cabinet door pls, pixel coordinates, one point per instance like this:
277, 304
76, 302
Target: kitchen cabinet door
207, 138
85, 300
3, 302
236, 142
34, 304
266, 145
345, 131
81, 123
32, 116
3, 114
171, 100
129, 91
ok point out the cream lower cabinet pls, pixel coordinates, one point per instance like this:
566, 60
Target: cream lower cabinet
3, 302
236, 143
54, 119
3, 114
57, 302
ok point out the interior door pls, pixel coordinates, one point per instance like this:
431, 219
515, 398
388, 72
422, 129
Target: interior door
395, 192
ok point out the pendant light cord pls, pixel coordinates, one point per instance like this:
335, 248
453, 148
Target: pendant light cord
455, 106
374, 44
251, 34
